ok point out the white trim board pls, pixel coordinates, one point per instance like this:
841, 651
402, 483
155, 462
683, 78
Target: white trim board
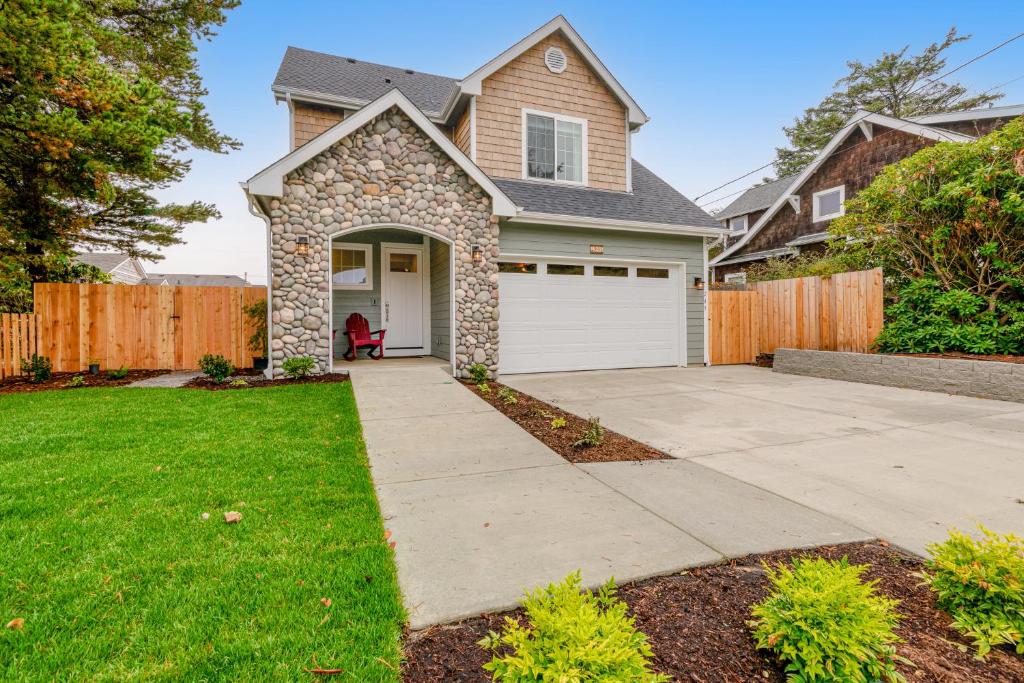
270, 181
852, 124
562, 220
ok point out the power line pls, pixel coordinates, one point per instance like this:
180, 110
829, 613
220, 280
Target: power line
926, 84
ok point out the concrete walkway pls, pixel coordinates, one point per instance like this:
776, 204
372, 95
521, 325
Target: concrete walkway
171, 380
480, 510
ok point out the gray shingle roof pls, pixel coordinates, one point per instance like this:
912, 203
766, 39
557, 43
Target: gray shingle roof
755, 199
317, 72
652, 201
104, 260
188, 279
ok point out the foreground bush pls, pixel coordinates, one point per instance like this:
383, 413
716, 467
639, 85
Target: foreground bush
572, 635
298, 366
827, 624
981, 584
217, 368
926, 318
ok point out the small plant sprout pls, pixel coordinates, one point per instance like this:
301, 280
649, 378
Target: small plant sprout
297, 367
484, 388
508, 396
558, 423
239, 383
119, 373
76, 381
593, 435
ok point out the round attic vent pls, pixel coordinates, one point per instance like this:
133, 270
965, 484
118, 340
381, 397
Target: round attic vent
555, 60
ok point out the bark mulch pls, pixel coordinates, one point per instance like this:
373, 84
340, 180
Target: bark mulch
15, 385
956, 355
696, 622
535, 416
254, 379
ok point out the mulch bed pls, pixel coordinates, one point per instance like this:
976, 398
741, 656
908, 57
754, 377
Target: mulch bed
15, 385
697, 626
255, 380
535, 416
956, 355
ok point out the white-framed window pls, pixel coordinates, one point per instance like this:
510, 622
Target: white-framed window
738, 224
736, 279
828, 203
351, 265
554, 147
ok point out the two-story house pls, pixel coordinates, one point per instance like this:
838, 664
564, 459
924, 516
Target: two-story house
792, 215
499, 218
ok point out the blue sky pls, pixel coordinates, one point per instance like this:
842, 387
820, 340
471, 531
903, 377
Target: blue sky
717, 79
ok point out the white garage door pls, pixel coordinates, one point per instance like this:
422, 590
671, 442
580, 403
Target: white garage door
565, 315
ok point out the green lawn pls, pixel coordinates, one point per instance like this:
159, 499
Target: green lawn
105, 556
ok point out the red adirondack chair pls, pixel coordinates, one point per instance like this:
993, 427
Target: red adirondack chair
357, 328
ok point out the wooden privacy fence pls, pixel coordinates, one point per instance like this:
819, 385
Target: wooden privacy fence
135, 326
843, 312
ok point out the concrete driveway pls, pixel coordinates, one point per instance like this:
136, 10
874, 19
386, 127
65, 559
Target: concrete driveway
899, 464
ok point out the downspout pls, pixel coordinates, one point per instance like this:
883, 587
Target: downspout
255, 211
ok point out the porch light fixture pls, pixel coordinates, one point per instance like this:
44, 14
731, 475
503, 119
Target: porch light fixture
478, 253
698, 282
302, 246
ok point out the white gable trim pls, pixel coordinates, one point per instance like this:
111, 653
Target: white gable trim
473, 83
1008, 111
270, 181
852, 124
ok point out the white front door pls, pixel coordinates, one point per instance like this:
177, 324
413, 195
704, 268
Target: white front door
403, 298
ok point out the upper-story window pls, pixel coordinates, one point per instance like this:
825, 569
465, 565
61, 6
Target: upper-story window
738, 223
829, 203
554, 147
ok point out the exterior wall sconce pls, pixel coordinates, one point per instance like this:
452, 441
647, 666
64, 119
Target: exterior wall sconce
302, 245
478, 253
698, 283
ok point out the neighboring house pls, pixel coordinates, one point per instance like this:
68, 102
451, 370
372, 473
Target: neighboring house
121, 268
498, 219
190, 280
748, 208
796, 219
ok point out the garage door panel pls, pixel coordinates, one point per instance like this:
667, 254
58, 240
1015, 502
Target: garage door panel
581, 322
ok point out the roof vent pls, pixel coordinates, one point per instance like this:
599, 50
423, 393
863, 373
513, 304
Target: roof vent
387, 80
555, 60
409, 71
350, 60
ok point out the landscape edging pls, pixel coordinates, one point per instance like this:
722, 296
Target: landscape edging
978, 378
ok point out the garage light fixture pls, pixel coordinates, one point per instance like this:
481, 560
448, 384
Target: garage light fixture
698, 282
302, 245
478, 253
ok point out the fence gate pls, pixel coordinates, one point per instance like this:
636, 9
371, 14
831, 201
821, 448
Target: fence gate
733, 326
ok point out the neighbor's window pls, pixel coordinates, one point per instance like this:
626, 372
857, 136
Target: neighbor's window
657, 273
554, 148
611, 271
352, 266
738, 224
508, 267
829, 203
564, 269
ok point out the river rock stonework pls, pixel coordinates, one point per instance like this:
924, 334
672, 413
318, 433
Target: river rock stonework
388, 173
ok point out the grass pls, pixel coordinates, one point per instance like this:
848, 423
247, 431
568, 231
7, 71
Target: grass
106, 558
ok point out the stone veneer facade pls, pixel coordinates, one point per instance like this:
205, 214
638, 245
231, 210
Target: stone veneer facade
387, 173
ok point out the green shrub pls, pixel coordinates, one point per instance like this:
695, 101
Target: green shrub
823, 264
593, 435
38, 368
75, 382
827, 624
571, 636
119, 373
928, 319
298, 366
981, 584
216, 367
558, 423
239, 383
484, 388
508, 396
478, 373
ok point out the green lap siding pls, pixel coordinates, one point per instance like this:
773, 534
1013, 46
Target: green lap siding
546, 240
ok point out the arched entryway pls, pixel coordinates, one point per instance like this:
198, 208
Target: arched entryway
401, 279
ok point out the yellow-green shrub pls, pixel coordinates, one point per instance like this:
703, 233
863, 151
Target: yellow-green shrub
981, 584
572, 635
827, 624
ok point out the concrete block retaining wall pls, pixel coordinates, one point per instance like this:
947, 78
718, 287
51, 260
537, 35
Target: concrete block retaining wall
980, 378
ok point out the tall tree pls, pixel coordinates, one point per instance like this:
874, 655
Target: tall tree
99, 100
897, 84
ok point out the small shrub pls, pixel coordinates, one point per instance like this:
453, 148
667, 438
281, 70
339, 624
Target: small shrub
593, 435
484, 388
119, 373
981, 584
572, 635
297, 367
75, 382
558, 423
38, 368
216, 367
478, 373
239, 383
508, 396
827, 624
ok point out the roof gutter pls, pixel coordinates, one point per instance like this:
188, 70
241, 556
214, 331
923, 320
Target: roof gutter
539, 218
